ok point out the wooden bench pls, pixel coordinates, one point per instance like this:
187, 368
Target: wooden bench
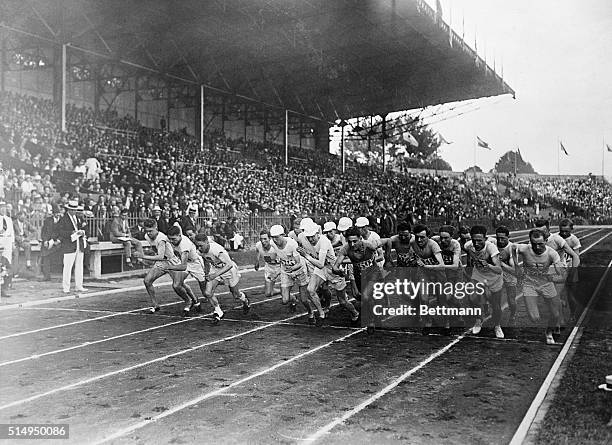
105, 249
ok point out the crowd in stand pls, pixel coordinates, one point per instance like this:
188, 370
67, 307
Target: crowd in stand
116, 162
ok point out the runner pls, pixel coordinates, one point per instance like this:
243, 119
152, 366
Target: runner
564, 251
344, 224
323, 261
191, 263
566, 226
487, 271
222, 271
323, 293
363, 223
362, 255
450, 249
426, 256
400, 244
164, 255
503, 244
293, 270
267, 253
537, 261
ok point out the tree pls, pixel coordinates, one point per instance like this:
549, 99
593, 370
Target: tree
399, 150
512, 161
471, 170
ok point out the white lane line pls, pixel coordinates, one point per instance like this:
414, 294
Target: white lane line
149, 362
221, 391
66, 309
116, 337
327, 428
115, 314
534, 408
82, 296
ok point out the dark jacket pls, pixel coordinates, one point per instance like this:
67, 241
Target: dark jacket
65, 229
188, 224
163, 224
48, 232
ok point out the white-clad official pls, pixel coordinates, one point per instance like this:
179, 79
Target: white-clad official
70, 230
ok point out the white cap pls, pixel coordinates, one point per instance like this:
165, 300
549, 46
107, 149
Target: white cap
312, 229
276, 230
344, 223
362, 221
306, 222
328, 226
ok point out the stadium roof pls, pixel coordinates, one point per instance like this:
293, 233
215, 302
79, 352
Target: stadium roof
325, 58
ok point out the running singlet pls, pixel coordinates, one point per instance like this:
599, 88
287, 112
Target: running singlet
405, 255
187, 246
269, 256
364, 262
537, 267
213, 256
574, 243
448, 253
288, 256
325, 245
487, 253
427, 254
504, 257
303, 241
159, 245
557, 243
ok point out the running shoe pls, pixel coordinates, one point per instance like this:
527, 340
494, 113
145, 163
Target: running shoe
498, 332
550, 340
320, 322
246, 304
186, 312
477, 327
293, 308
154, 309
217, 318
197, 306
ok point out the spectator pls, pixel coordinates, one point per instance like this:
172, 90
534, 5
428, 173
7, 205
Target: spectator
24, 235
120, 233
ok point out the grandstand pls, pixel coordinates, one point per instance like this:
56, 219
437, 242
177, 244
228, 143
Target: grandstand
160, 106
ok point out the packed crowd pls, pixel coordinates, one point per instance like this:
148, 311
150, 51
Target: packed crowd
121, 163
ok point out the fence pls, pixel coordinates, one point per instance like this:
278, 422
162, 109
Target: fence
249, 226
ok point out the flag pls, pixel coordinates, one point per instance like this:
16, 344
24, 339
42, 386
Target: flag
482, 143
410, 139
608, 147
563, 148
442, 139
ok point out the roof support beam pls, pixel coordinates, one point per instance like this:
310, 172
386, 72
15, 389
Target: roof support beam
44, 22
97, 34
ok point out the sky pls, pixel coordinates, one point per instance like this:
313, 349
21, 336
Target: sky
557, 56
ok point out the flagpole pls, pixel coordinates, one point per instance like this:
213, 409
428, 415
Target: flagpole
558, 157
603, 155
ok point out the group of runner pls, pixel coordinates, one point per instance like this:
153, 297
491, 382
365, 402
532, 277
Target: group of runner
334, 259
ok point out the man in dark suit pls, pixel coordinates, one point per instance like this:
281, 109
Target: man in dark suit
138, 231
71, 233
189, 221
50, 242
162, 219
